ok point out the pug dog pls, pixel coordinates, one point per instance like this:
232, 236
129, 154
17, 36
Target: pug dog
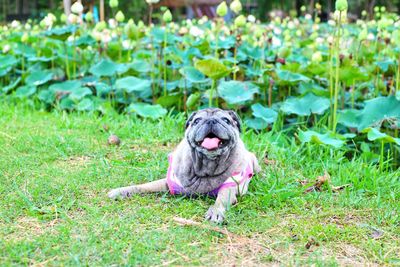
211, 159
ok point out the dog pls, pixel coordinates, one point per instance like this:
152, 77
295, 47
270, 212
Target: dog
211, 159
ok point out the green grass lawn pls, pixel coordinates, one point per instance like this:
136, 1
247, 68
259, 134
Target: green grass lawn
56, 168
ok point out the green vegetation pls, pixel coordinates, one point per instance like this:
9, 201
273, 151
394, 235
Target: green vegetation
320, 100
294, 75
56, 169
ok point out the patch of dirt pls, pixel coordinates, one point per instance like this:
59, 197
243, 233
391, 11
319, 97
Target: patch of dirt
75, 162
27, 228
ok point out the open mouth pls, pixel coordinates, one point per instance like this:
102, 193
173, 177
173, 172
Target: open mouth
212, 142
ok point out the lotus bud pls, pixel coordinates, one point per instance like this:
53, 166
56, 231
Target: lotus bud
24, 37
140, 24
120, 17
77, 8
72, 18
236, 6
318, 6
364, 13
283, 52
113, 3
363, 34
341, 5
42, 23
89, 17
100, 26
340, 14
303, 8
167, 16
251, 18
6, 48
316, 57
131, 30
222, 9
240, 21
63, 18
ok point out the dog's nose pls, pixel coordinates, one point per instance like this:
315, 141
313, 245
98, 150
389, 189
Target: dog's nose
212, 121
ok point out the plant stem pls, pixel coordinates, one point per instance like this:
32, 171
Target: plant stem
165, 61
381, 157
398, 75
67, 61
216, 38
331, 84
213, 85
335, 103
234, 55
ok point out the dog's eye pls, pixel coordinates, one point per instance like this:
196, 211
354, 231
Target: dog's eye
196, 121
226, 120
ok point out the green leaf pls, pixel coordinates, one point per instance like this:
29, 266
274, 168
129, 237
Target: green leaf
192, 74
131, 84
291, 77
102, 89
79, 93
85, 105
256, 123
350, 118
306, 105
212, 68
317, 138
235, 92
7, 61
169, 100
25, 91
264, 113
352, 74
61, 33
40, 77
140, 66
385, 65
46, 96
147, 110
67, 86
106, 68
193, 100
375, 134
66, 103
378, 110
12, 85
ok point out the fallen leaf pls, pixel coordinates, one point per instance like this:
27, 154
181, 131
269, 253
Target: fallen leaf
303, 182
270, 162
317, 186
376, 233
188, 222
340, 187
311, 242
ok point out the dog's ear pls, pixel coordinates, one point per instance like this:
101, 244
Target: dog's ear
236, 119
189, 120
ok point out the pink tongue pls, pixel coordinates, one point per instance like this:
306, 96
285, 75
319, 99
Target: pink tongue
210, 143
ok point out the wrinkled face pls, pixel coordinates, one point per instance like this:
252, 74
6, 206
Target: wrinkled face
213, 132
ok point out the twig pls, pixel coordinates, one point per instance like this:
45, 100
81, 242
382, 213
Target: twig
185, 222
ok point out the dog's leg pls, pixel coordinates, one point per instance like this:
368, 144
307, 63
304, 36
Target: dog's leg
226, 198
152, 187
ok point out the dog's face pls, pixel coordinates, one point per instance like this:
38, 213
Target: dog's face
213, 132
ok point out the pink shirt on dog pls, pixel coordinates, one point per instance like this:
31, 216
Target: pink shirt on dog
237, 179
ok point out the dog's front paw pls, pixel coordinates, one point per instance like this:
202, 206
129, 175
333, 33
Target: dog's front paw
215, 214
115, 194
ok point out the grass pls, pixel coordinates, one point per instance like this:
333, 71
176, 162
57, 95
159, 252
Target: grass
56, 168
